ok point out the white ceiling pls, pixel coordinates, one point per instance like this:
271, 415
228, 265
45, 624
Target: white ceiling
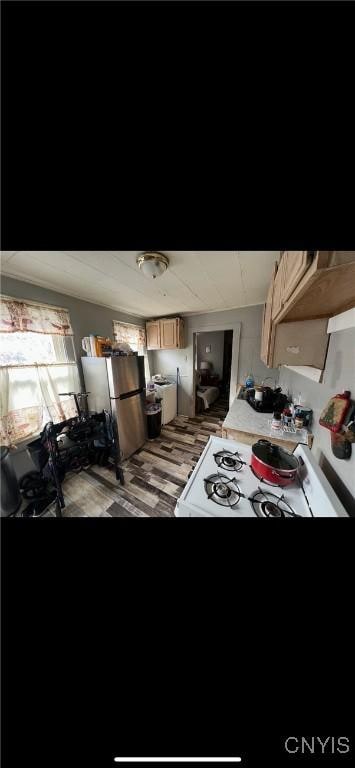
196, 281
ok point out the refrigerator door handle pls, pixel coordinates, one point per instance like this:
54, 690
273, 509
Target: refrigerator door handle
131, 422
131, 394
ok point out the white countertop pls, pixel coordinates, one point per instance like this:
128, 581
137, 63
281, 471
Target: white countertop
242, 416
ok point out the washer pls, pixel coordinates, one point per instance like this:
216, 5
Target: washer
168, 394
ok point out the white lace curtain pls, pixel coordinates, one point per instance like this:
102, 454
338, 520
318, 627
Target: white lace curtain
24, 316
29, 398
131, 334
37, 362
134, 335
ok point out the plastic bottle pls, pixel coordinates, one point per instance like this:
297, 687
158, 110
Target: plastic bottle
286, 416
276, 420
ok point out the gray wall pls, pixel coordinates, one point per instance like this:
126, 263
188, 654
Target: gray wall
166, 361
85, 317
214, 339
339, 374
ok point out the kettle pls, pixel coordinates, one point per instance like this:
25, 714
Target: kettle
85, 343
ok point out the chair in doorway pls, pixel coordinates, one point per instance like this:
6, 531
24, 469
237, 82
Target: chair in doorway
205, 395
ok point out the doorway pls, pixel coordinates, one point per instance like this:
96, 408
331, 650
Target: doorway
227, 363
215, 367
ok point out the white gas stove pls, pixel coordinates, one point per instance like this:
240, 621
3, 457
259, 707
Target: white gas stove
224, 485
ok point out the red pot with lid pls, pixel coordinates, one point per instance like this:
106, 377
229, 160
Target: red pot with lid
274, 464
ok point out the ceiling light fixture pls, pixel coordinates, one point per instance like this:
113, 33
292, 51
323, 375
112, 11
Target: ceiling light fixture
152, 263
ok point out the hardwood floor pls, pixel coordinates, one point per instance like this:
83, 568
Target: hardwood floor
154, 476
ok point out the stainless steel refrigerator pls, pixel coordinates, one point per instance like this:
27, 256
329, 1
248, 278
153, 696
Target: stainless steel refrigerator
118, 385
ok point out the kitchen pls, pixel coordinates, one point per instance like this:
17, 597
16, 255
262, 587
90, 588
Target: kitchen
292, 338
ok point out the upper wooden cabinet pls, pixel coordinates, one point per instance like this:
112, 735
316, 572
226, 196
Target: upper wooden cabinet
165, 333
168, 333
307, 286
340, 257
277, 301
267, 321
153, 334
294, 266
302, 343
326, 288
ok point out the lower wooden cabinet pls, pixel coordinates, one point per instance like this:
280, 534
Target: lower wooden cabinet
249, 438
165, 333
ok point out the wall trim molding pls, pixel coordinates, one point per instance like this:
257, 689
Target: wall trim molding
198, 312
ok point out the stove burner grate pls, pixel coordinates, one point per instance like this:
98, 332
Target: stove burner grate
222, 490
266, 504
229, 461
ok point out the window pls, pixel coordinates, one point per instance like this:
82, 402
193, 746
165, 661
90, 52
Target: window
134, 335
37, 363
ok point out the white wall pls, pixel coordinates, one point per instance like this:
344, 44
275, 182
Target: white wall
214, 339
166, 361
339, 374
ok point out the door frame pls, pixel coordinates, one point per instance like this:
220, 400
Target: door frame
210, 328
